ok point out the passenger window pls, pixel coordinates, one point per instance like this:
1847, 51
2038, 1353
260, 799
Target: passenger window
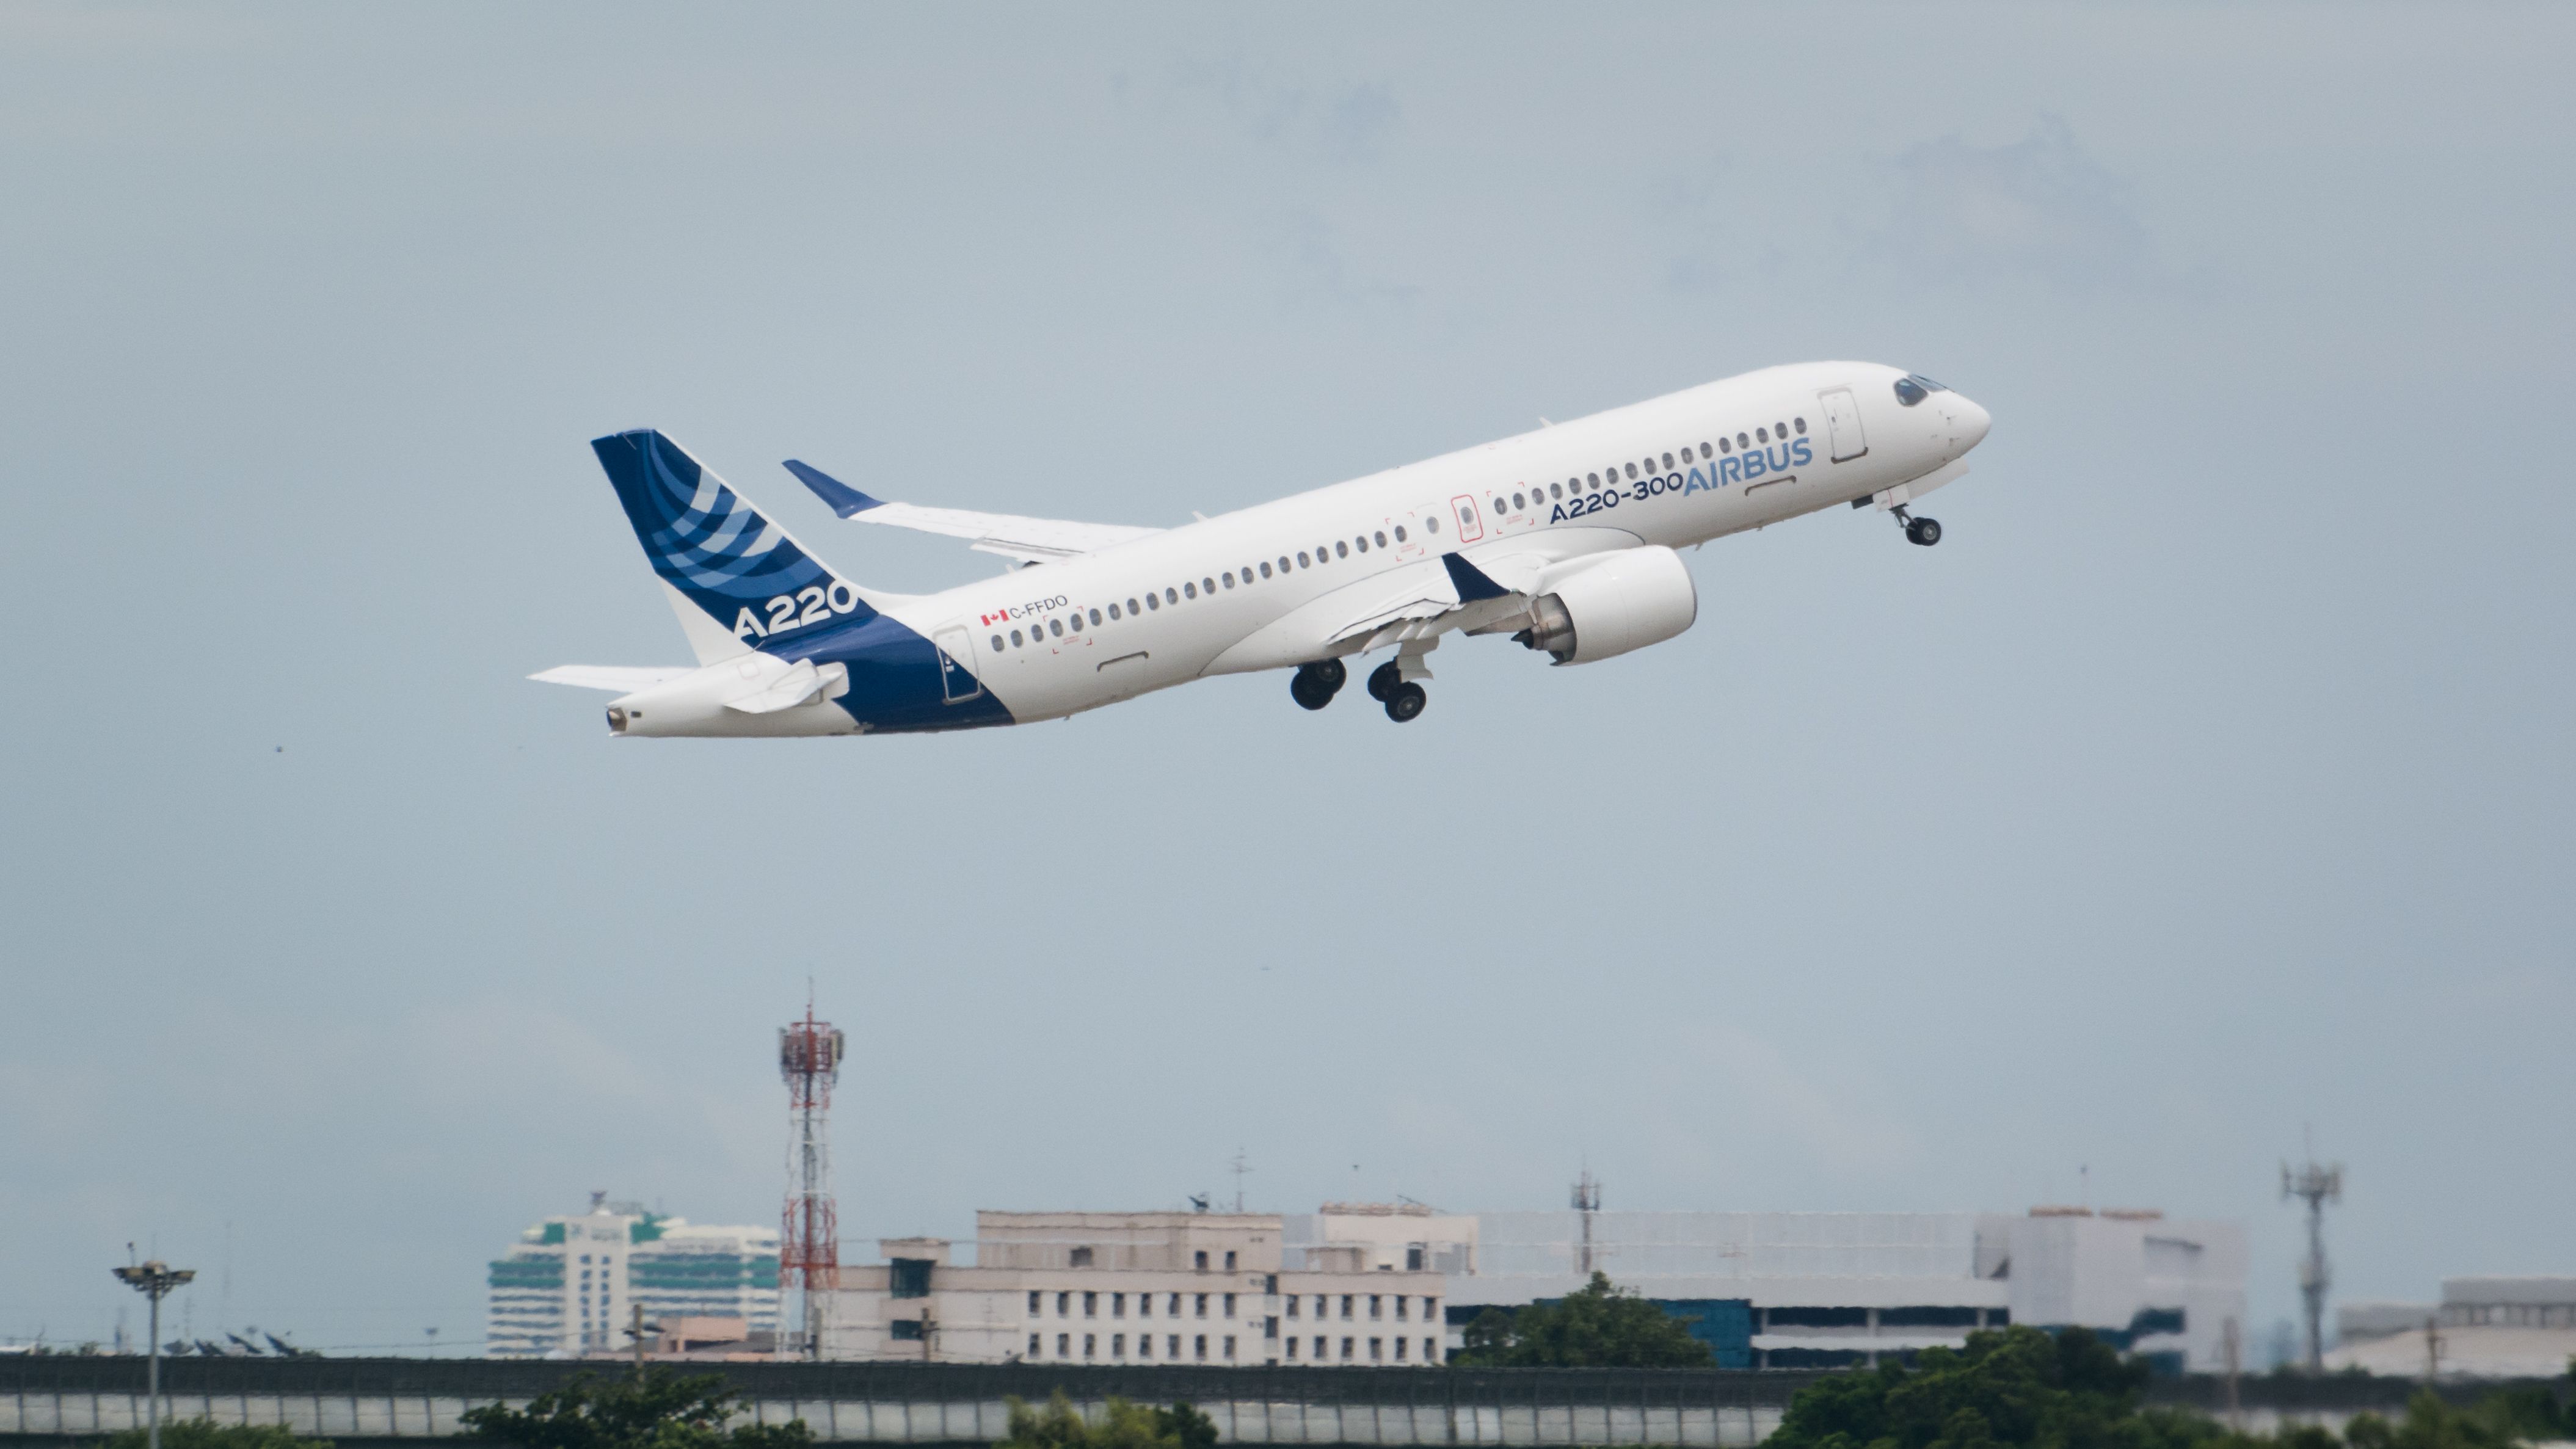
1724, 446
1802, 426
997, 643
1131, 607
1229, 578
1189, 591
1519, 503
1095, 617
1381, 538
1742, 441
1399, 533
1592, 480
1668, 462
1556, 490
1704, 452
1761, 435
1780, 431
1632, 470
1113, 611
1015, 638
1341, 550
1362, 541
1056, 627
1171, 596
1207, 586
1153, 601
1265, 570
1301, 559
1431, 525
1499, 509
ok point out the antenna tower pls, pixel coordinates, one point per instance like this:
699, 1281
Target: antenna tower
2315, 1184
1587, 1201
809, 1238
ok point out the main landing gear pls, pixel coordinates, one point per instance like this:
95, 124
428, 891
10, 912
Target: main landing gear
1404, 700
1317, 681
1925, 531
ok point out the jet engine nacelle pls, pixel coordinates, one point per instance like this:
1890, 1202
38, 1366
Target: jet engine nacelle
1627, 601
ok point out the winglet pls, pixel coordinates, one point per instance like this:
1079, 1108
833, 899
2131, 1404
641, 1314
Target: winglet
1470, 581
844, 499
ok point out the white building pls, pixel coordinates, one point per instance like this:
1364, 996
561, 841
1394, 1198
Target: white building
1134, 1288
2484, 1327
571, 1285
1784, 1290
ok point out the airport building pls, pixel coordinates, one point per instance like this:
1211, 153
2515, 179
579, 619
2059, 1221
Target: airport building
1812, 1290
2484, 1327
1134, 1288
570, 1286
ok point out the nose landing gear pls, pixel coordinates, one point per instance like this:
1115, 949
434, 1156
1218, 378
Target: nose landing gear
1404, 700
1924, 531
1317, 681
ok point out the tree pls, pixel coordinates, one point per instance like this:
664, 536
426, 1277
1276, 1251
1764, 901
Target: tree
207, 1434
1121, 1425
2017, 1387
1600, 1326
657, 1409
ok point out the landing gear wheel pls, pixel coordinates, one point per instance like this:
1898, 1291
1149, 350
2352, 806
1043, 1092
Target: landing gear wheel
1405, 702
1316, 682
1382, 682
1925, 531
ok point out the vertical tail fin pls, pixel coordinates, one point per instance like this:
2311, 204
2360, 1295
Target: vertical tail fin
718, 555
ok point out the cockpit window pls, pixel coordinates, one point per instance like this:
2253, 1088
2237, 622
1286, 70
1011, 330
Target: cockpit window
1915, 387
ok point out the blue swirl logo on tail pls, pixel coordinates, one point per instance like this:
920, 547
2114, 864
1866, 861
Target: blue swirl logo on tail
705, 541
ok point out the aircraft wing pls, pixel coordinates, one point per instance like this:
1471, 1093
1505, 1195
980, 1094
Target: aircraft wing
1030, 540
609, 676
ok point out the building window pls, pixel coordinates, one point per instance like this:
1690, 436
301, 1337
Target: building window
1036, 1303
1117, 1305
1229, 1305
1064, 1305
1229, 1346
1090, 1344
1375, 1345
1322, 1307
1430, 1350
1172, 1343
1229, 1262
1375, 1308
1144, 1345
1347, 1354
1034, 1350
909, 1278
1270, 1327
1346, 1308
1064, 1345
1292, 1350
907, 1330
1202, 1348
1413, 1259
1201, 1262
1144, 1305
1174, 1306
1293, 1300
1082, 1257
1202, 1305
1091, 1305
1430, 1310
1399, 1308
1117, 1345
1399, 1350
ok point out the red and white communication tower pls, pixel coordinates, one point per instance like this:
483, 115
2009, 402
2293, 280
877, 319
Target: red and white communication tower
809, 1239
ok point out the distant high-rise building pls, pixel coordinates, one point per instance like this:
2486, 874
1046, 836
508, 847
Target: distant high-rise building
568, 1288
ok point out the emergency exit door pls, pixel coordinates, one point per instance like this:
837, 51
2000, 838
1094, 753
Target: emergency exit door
957, 683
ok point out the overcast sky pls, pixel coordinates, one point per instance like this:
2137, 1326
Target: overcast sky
2211, 779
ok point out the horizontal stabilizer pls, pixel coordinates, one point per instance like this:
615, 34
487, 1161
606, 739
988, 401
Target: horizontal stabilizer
800, 684
1030, 540
614, 677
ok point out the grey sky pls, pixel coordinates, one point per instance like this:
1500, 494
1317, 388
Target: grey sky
2211, 778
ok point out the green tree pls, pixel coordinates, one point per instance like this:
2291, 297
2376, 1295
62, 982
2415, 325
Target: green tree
2016, 1387
657, 1409
1121, 1425
207, 1434
1600, 1326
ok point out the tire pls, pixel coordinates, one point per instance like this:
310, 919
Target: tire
1405, 702
1925, 531
1309, 695
1383, 680
1331, 673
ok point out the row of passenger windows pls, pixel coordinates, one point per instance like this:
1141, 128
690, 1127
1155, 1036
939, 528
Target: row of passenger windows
1197, 1348
1323, 554
1592, 481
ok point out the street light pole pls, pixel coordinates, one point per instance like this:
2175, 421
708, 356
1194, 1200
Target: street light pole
154, 1280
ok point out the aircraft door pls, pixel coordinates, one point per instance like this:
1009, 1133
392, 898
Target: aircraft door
1471, 524
1842, 419
957, 681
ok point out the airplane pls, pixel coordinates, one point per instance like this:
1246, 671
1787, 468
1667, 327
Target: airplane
1563, 539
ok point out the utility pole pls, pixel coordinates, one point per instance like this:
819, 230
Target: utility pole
2315, 1184
154, 1280
1238, 1167
635, 1334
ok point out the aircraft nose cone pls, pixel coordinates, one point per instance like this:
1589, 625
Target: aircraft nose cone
1971, 422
